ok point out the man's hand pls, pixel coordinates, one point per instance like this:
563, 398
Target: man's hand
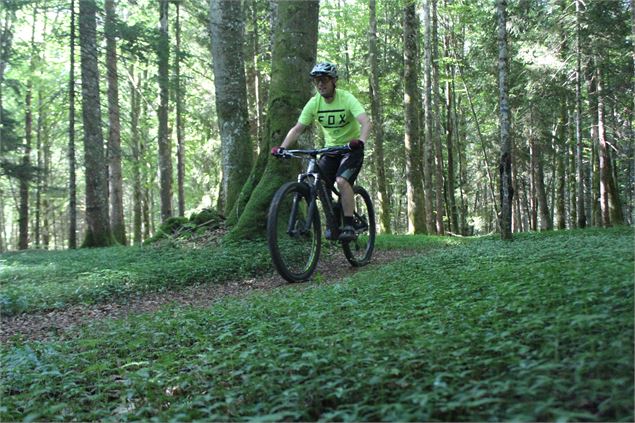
355, 144
277, 151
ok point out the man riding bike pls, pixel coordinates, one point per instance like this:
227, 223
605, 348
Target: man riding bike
343, 121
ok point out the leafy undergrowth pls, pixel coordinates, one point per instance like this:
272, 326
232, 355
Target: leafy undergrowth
44, 280
540, 329
40, 280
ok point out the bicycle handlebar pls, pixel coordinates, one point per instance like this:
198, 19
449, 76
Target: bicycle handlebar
314, 152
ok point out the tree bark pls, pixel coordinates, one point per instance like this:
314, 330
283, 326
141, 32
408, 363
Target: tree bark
25, 176
561, 155
72, 163
117, 223
378, 123
416, 217
293, 55
505, 164
165, 145
180, 132
449, 125
580, 201
436, 134
227, 31
135, 110
428, 144
609, 198
98, 232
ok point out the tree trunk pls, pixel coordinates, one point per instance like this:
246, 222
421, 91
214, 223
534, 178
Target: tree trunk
25, 176
180, 136
227, 31
117, 223
609, 199
450, 123
294, 53
98, 232
165, 145
416, 217
505, 164
596, 213
580, 201
72, 164
378, 123
572, 172
428, 144
561, 155
436, 128
135, 110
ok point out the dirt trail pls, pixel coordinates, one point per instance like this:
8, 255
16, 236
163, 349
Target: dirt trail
61, 323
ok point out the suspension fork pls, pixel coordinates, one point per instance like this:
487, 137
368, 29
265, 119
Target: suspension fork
312, 209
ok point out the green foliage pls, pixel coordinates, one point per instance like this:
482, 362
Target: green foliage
540, 329
48, 280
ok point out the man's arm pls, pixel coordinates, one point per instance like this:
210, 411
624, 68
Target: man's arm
364, 121
293, 135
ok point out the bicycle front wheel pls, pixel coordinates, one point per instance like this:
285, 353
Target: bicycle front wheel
359, 251
294, 241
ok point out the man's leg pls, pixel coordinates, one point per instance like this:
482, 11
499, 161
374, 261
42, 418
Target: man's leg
346, 196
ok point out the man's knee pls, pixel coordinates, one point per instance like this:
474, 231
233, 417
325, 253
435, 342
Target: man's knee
342, 182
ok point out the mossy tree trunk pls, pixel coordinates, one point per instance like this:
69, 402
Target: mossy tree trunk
227, 32
294, 53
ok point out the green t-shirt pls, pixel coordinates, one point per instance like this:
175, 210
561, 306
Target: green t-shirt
337, 119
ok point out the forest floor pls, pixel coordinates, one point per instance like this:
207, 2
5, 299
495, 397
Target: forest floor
60, 324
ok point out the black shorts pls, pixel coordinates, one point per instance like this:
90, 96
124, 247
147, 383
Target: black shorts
346, 166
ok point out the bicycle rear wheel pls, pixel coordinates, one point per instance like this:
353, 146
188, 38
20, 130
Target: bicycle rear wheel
359, 251
294, 243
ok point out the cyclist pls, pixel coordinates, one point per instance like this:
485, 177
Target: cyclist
343, 121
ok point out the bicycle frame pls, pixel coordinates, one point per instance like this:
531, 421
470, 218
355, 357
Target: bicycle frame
313, 178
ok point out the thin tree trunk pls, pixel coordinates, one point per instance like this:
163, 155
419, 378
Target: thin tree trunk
180, 135
573, 205
581, 213
596, 213
416, 218
428, 144
378, 124
561, 155
505, 164
117, 223
72, 176
135, 110
40, 174
436, 127
23, 217
165, 146
98, 232
605, 172
450, 123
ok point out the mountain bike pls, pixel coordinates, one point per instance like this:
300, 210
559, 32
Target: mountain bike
293, 226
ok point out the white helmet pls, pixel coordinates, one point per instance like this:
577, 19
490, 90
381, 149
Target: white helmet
324, 69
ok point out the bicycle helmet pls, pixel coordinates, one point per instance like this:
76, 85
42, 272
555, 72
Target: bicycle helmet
324, 68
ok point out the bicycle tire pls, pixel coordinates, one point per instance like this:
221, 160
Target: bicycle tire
359, 251
294, 251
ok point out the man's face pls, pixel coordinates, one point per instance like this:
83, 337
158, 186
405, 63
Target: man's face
325, 86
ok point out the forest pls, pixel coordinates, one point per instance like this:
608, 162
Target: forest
147, 127
117, 116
